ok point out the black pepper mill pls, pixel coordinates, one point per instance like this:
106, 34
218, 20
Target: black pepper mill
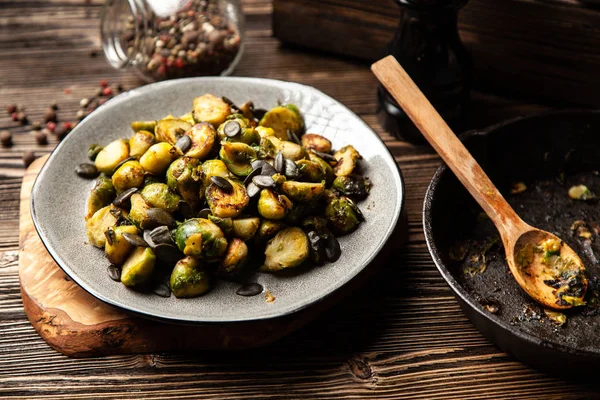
428, 46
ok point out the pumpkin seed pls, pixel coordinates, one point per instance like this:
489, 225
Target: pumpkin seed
222, 183
279, 162
121, 163
184, 143
148, 238
86, 170
291, 169
122, 197
232, 128
259, 113
359, 213
110, 236
167, 253
333, 251
252, 189
162, 290
234, 108
263, 181
250, 289
135, 240
204, 213
114, 272
325, 156
161, 217
186, 210
293, 137
160, 235
257, 164
267, 170
251, 175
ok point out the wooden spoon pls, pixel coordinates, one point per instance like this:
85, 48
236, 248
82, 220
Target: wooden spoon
556, 281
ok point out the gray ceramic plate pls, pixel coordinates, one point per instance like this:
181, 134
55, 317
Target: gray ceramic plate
59, 196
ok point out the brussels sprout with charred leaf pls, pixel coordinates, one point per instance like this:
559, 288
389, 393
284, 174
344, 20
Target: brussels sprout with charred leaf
203, 138
289, 248
98, 224
101, 195
110, 156
223, 204
170, 129
189, 279
234, 259
139, 143
127, 176
138, 267
272, 205
116, 247
346, 158
199, 237
210, 108
282, 119
158, 157
238, 157
184, 178
342, 215
312, 141
303, 191
352, 185
158, 195
139, 212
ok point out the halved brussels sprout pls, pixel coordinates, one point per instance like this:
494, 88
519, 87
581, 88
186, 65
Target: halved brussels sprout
189, 279
138, 267
269, 146
203, 137
199, 237
289, 248
342, 216
325, 167
212, 168
226, 224
116, 247
268, 228
143, 126
352, 185
272, 205
139, 143
238, 157
310, 171
303, 191
312, 141
169, 130
158, 195
282, 119
129, 175
138, 213
292, 150
245, 228
189, 118
101, 195
263, 131
98, 224
236, 128
184, 177
110, 156
158, 157
346, 160
234, 259
223, 204
210, 108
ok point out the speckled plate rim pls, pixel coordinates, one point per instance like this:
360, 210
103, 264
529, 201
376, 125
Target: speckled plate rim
436, 255
334, 287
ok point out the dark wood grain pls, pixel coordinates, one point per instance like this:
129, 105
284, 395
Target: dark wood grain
402, 336
532, 48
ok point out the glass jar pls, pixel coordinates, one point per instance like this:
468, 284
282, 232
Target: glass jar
167, 39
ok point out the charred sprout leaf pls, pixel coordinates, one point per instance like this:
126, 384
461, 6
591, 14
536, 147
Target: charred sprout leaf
556, 317
491, 305
184, 178
210, 108
101, 195
352, 185
189, 279
138, 267
477, 261
581, 192
289, 248
581, 229
110, 156
518, 187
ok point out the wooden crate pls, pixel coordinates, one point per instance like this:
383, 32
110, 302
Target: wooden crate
540, 49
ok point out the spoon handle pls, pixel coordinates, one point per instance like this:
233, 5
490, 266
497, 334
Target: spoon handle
448, 146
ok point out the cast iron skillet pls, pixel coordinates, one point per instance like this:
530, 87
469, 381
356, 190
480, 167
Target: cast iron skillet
549, 152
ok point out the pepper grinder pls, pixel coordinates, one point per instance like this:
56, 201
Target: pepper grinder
428, 46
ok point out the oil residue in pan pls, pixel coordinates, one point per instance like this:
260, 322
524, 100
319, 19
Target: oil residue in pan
480, 267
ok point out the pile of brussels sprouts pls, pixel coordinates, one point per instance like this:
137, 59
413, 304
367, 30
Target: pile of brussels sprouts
218, 191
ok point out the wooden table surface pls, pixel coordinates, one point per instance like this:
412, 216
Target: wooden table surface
402, 336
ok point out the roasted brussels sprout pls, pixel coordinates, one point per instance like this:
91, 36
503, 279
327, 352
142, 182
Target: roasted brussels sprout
158, 195
102, 193
263, 132
272, 205
282, 119
110, 156
158, 157
346, 158
169, 130
292, 151
138, 213
310, 171
268, 228
342, 216
226, 224
237, 157
269, 146
189, 279
227, 204
129, 175
245, 228
116, 247
236, 128
184, 177
203, 137
210, 108
212, 168
139, 143
143, 126
303, 191
98, 224
325, 167
312, 141
234, 259
138, 267
352, 185
289, 248
200, 238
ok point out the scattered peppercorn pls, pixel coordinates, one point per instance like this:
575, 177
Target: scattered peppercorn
22, 117
28, 158
6, 139
99, 92
49, 115
84, 102
11, 108
120, 88
80, 114
94, 53
40, 137
36, 126
54, 105
14, 116
107, 91
67, 91
68, 125
60, 131
104, 83
51, 126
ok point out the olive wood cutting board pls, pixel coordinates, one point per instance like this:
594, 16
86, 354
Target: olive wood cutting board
77, 324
